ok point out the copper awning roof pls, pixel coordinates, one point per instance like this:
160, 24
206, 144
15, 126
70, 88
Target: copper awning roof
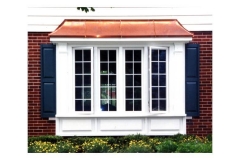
120, 29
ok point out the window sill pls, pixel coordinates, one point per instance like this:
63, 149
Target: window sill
119, 115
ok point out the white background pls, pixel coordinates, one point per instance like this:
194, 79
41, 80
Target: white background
13, 81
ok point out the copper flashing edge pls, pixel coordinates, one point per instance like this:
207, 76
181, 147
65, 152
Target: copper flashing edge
120, 29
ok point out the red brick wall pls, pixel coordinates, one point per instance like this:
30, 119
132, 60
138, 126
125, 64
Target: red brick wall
36, 124
202, 125
42, 126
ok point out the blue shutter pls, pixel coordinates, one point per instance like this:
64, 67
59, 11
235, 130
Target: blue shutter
192, 79
48, 80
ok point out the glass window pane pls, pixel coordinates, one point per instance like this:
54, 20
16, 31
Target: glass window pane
137, 55
154, 67
129, 68
129, 105
162, 80
78, 68
112, 93
112, 80
129, 93
162, 105
87, 55
103, 68
104, 93
78, 105
137, 105
78, 80
128, 55
112, 55
137, 80
154, 55
112, 105
87, 80
162, 67
162, 91
137, 93
162, 55
78, 93
78, 55
154, 105
129, 80
154, 92
104, 105
112, 68
87, 67
87, 93
104, 80
87, 105
137, 68
103, 55
154, 80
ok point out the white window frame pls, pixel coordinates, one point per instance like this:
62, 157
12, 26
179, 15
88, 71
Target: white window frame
150, 78
73, 79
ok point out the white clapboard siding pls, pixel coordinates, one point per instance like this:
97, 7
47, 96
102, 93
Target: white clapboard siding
46, 19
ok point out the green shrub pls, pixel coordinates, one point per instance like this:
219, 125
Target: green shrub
48, 147
194, 147
138, 147
167, 146
46, 138
97, 145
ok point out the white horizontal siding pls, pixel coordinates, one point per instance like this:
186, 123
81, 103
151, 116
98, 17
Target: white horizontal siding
46, 19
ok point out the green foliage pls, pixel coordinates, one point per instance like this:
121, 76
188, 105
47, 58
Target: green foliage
46, 138
123, 144
86, 9
168, 146
48, 147
97, 145
138, 146
193, 147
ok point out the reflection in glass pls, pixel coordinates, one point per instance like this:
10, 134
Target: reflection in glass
104, 68
112, 68
87, 93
